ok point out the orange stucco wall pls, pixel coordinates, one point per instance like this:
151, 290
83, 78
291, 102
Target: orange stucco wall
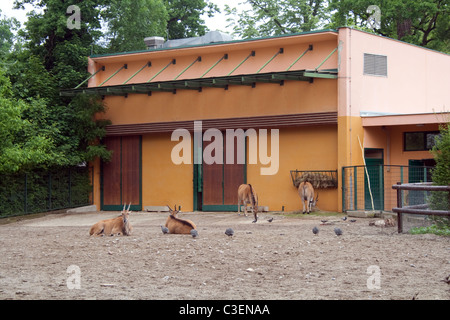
313, 148
164, 183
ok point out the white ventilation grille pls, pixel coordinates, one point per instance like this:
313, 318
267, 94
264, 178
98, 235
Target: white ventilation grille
375, 65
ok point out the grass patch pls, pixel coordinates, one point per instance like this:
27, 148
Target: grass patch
434, 229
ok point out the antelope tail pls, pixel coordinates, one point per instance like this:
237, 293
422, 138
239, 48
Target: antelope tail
253, 195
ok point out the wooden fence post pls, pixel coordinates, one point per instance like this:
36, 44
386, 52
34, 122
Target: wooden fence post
399, 205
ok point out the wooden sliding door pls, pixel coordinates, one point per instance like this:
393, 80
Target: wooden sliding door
121, 177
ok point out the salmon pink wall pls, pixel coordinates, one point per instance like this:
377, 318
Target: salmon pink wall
417, 79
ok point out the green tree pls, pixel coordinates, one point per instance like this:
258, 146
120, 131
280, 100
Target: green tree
7, 26
62, 50
130, 21
55, 57
24, 142
272, 17
425, 23
185, 17
441, 172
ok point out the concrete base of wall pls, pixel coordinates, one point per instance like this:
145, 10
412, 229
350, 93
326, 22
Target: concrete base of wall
364, 214
156, 209
92, 208
372, 214
260, 208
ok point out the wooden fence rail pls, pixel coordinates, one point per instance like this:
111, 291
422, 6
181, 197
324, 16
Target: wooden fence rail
420, 208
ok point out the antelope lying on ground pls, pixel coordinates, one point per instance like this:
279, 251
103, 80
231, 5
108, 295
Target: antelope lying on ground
120, 225
306, 192
178, 226
247, 195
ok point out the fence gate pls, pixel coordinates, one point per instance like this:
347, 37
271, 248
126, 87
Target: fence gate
364, 185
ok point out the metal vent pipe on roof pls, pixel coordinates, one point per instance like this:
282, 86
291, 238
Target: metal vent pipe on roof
154, 42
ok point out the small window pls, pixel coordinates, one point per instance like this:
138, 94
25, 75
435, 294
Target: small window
375, 65
419, 141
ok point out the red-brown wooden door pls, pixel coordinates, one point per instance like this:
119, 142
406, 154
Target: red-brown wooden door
221, 182
121, 177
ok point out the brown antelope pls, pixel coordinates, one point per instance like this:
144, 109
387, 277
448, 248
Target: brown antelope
247, 195
177, 225
120, 225
306, 192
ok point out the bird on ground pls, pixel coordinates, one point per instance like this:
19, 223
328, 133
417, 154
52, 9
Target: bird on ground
344, 218
229, 232
338, 231
194, 233
324, 221
353, 220
270, 220
164, 230
315, 230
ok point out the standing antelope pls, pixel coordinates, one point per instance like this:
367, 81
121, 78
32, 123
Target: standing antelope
120, 225
247, 195
306, 192
178, 226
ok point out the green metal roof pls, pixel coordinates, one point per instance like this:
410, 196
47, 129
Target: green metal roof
198, 84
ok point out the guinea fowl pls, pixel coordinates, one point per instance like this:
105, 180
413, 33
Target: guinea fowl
229, 232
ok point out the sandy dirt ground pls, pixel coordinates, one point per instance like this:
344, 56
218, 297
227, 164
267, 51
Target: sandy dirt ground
53, 257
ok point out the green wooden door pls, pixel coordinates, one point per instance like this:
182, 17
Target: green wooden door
376, 190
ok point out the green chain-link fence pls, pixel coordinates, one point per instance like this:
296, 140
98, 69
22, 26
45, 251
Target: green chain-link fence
41, 191
370, 187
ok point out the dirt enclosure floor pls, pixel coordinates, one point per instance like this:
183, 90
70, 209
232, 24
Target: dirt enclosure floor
53, 257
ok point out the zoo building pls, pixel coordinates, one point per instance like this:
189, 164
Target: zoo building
352, 112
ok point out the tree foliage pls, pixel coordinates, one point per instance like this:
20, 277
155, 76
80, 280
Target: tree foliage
425, 23
441, 175
130, 21
184, 17
268, 18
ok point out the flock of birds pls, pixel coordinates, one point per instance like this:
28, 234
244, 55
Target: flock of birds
337, 231
230, 232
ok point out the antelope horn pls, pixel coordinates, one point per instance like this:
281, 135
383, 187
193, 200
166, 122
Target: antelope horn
124, 207
169, 207
129, 206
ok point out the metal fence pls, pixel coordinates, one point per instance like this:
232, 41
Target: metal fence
370, 187
41, 191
